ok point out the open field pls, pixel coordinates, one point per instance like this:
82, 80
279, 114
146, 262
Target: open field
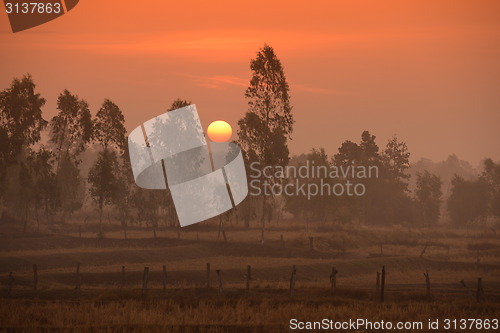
105, 303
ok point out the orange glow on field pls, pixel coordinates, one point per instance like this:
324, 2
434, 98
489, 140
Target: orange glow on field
219, 131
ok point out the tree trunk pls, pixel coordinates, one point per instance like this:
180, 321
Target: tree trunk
37, 219
25, 226
100, 220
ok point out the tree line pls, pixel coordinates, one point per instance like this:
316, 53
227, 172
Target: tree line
44, 181
264, 133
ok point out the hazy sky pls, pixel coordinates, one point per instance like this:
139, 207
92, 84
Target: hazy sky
428, 71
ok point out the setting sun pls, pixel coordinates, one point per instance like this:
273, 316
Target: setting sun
219, 131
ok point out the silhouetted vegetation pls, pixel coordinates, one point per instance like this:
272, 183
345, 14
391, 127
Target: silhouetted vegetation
86, 158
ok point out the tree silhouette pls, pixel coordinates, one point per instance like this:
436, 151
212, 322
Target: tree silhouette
71, 128
108, 127
179, 103
45, 192
103, 180
21, 123
21, 115
109, 131
266, 127
428, 195
70, 131
468, 201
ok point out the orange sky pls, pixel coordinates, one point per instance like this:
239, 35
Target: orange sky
427, 71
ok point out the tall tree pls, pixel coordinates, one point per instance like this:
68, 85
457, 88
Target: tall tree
21, 115
428, 197
108, 127
103, 179
109, 132
123, 201
21, 123
267, 126
70, 131
397, 161
45, 193
71, 128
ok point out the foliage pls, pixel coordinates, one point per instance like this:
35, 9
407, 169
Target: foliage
21, 115
491, 175
385, 200
108, 127
109, 131
428, 196
71, 128
179, 103
103, 180
468, 202
21, 123
268, 124
70, 132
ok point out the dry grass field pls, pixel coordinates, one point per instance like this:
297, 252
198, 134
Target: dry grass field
108, 304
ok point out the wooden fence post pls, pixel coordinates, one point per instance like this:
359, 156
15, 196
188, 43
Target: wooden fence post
378, 284
311, 243
122, 283
480, 290
164, 277
333, 279
427, 285
382, 287
35, 277
219, 280
282, 241
78, 280
10, 283
249, 276
292, 281
208, 275
145, 280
